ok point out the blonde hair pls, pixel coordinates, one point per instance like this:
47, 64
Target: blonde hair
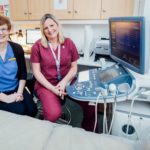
44, 40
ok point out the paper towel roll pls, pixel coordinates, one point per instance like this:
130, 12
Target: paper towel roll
88, 37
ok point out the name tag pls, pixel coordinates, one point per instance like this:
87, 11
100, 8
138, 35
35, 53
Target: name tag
11, 59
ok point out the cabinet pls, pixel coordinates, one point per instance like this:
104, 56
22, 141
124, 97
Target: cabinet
70, 9
28, 9
89, 9
77, 9
112, 8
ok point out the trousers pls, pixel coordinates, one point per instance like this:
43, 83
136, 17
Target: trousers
51, 103
52, 109
25, 107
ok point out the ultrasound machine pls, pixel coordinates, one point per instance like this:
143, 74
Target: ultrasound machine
118, 81
127, 49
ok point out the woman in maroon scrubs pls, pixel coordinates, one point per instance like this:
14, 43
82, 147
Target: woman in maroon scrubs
54, 62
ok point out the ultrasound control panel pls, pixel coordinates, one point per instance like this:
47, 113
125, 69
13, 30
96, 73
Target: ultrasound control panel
99, 80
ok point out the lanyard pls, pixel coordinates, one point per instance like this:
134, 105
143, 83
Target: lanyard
57, 60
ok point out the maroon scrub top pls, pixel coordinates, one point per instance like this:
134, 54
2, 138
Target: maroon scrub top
47, 62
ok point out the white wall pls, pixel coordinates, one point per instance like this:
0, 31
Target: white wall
77, 32
147, 29
138, 7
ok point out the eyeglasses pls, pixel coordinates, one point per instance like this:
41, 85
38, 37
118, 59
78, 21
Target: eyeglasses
3, 30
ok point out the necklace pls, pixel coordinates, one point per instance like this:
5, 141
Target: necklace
54, 46
1, 50
3, 47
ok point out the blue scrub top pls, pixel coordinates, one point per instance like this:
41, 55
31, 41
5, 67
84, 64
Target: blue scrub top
8, 71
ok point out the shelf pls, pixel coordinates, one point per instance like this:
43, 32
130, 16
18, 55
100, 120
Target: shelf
80, 22
88, 62
69, 22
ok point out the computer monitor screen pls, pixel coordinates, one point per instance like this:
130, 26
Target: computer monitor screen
127, 42
32, 35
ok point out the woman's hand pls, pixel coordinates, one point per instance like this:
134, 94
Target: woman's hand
15, 97
61, 86
10, 98
59, 92
19, 97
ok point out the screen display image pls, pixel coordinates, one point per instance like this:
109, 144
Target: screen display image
32, 35
127, 42
107, 75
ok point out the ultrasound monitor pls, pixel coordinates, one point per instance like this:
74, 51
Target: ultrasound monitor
127, 42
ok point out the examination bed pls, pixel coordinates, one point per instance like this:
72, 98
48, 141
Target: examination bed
26, 133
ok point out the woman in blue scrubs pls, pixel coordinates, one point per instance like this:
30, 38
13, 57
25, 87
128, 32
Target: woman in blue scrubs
13, 95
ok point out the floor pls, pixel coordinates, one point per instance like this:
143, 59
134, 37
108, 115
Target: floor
77, 115
72, 114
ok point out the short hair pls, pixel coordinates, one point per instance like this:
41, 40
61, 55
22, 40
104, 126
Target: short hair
5, 20
44, 40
